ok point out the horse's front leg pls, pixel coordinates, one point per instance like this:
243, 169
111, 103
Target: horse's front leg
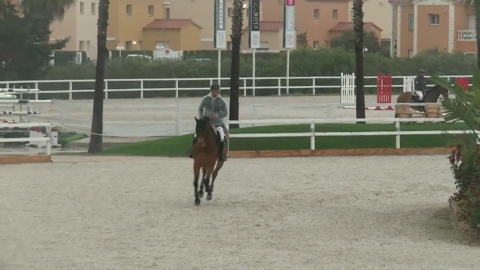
214, 176
196, 172
204, 172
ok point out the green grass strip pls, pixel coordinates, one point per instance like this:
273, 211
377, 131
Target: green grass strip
179, 145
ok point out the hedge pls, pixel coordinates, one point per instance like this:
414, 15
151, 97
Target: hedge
303, 63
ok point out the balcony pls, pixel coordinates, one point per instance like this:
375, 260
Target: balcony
466, 35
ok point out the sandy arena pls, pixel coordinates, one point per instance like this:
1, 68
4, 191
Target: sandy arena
330, 213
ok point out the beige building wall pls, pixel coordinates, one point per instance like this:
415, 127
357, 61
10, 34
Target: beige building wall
80, 25
128, 26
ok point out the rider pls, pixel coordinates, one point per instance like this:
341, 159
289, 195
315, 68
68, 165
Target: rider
420, 85
214, 107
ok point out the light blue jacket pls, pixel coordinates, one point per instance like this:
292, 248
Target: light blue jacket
215, 105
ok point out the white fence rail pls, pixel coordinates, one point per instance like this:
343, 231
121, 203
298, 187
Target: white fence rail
316, 84
313, 134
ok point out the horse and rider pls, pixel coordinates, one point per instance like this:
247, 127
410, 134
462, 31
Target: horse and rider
209, 142
421, 93
215, 108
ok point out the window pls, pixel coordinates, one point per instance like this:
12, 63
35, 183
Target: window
88, 45
264, 45
93, 9
410, 53
167, 13
316, 45
316, 14
229, 45
128, 45
151, 10
433, 19
81, 45
82, 8
128, 10
335, 14
230, 12
165, 44
410, 22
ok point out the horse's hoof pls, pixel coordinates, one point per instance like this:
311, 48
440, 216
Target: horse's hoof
209, 196
197, 201
200, 194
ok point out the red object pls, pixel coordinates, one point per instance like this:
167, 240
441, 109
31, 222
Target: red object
384, 88
290, 2
463, 82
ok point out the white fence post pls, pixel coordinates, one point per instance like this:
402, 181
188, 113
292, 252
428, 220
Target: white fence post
70, 88
279, 86
313, 87
36, 94
176, 88
106, 89
312, 139
244, 87
141, 89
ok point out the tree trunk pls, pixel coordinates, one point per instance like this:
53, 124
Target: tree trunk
359, 51
236, 36
96, 138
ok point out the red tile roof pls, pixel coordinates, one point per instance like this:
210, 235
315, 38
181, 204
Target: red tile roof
269, 26
347, 26
172, 24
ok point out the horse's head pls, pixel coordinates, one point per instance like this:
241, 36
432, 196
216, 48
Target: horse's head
439, 90
203, 126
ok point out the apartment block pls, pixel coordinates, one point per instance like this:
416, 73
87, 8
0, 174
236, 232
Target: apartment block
419, 25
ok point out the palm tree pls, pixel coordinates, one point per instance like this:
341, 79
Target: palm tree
359, 72
96, 138
466, 104
236, 36
51, 9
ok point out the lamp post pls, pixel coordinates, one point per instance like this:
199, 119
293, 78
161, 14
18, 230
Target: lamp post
120, 48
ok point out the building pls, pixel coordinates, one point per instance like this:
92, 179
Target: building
318, 20
146, 25
271, 36
80, 25
419, 25
378, 12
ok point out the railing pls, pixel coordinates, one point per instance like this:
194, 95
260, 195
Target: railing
466, 35
145, 88
313, 134
30, 139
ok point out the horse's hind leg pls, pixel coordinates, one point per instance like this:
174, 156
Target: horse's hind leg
196, 172
204, 172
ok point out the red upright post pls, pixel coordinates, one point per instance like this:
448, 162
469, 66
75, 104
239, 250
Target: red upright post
384, 88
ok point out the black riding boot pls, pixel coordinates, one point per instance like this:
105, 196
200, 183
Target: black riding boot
221, 157
190, 154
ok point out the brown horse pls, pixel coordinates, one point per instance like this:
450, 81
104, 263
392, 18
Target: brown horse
205, 153
431, 96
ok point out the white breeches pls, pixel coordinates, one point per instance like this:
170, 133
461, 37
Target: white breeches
419, 94
221, 132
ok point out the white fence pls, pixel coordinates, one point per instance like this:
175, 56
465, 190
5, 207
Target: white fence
45, 139
280, 84
313, 134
